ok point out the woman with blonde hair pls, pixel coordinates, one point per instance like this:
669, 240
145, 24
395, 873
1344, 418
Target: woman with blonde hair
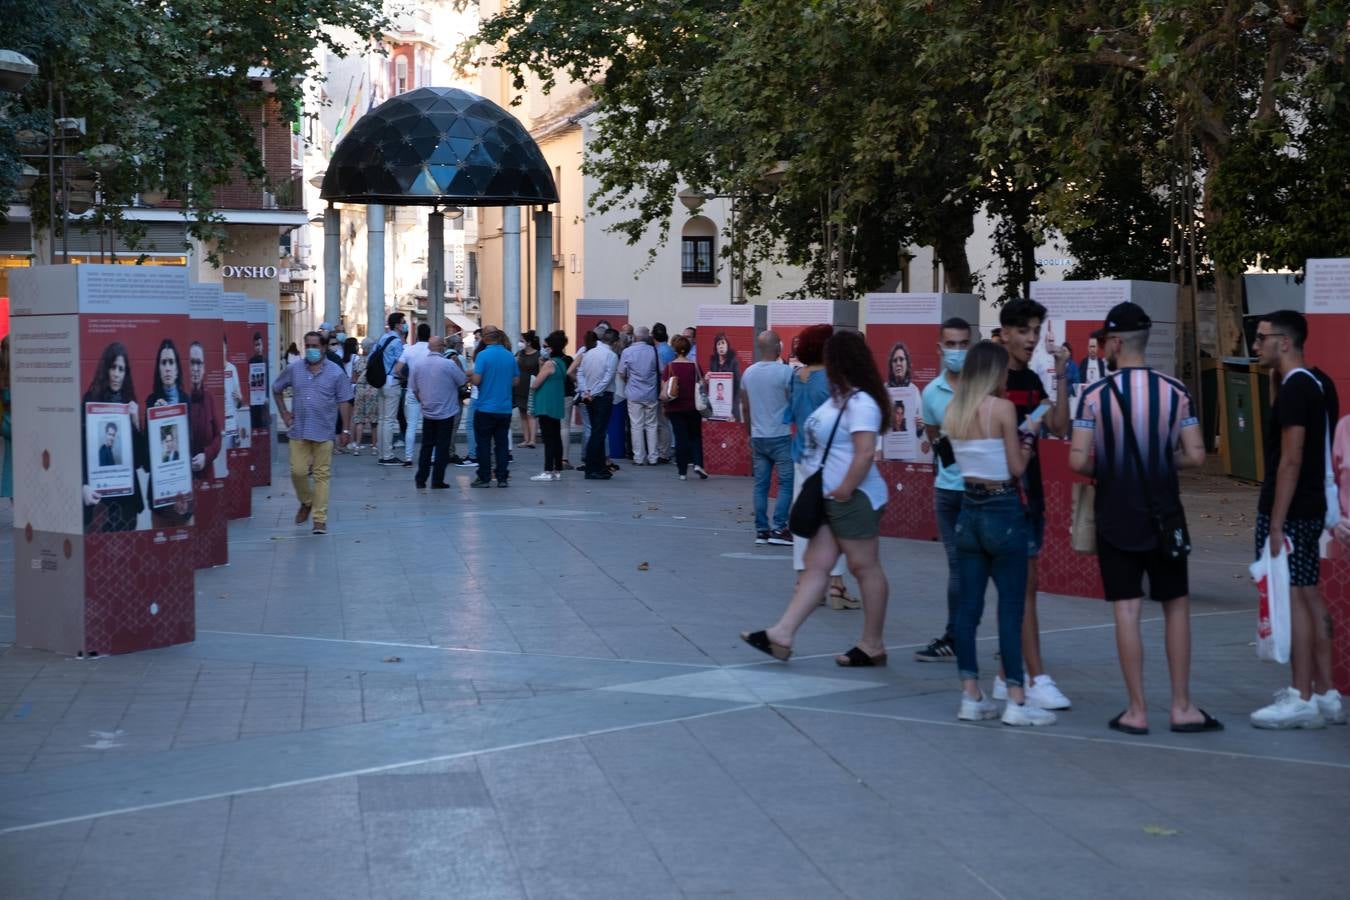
991, 532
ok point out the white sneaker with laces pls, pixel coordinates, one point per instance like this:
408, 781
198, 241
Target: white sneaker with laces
542, 476
1329, 704
1042, 692
1000, 688
1289, 711
1024, 714
977, 710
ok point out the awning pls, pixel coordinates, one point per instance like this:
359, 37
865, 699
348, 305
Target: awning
467, 324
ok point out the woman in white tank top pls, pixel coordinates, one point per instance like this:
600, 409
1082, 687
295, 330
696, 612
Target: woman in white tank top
991, 532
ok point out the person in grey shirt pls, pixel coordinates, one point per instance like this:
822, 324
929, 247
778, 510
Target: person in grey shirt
435, 382
764, 402
639, 366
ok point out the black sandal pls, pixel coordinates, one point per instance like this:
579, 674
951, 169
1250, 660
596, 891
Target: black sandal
1117, 725
1209, 724
761, 642
856, 657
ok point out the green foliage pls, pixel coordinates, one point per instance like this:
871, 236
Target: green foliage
167, 83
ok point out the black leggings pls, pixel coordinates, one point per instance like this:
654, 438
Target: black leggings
688, 428
551, 429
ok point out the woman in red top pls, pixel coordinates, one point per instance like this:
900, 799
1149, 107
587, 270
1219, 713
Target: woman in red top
684, 416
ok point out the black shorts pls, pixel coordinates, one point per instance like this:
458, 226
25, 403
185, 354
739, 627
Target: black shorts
1123, 573
1305, 563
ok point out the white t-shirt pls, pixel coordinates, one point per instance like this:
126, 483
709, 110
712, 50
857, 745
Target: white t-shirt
412, 353
860, 414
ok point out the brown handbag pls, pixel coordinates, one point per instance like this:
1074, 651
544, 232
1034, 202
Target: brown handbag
1083, 529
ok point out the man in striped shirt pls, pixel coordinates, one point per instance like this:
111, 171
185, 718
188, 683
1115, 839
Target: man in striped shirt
1131, 490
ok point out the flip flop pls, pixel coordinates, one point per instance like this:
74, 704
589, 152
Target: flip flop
1209, 724
761, 642
1117, 725
856, 657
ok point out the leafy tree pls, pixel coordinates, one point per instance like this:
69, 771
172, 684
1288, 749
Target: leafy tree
167, 84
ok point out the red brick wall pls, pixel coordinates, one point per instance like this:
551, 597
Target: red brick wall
274, 136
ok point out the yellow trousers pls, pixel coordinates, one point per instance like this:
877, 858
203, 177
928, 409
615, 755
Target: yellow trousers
312, 457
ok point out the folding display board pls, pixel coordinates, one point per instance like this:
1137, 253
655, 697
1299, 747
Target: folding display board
104, 500
258, 388
206, 384
237, 341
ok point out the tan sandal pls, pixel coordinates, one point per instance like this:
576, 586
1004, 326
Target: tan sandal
839, 598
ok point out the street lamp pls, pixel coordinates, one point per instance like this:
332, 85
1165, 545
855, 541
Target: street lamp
16, 70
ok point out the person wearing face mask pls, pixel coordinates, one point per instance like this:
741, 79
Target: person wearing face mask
320, 390
954, 338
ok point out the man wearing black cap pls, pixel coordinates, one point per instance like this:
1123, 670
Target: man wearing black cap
1132, 432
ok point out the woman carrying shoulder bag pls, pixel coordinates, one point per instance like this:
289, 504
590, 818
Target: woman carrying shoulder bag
991, 532
840, 445
684, 416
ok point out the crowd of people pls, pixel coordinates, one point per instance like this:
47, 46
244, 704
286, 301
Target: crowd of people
815, 425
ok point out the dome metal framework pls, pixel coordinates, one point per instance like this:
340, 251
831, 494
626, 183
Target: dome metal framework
438, 146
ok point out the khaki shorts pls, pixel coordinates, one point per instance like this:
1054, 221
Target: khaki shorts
853, 519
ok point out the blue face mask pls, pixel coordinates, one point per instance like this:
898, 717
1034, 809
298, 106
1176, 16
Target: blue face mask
954, 360
313, 355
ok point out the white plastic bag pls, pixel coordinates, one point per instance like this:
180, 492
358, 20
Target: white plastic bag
1271, 577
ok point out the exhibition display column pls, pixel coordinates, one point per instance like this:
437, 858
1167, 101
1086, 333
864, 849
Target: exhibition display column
1327, 305
258, 314
210, 472
902, 332
103, 506
726, 447
237, 343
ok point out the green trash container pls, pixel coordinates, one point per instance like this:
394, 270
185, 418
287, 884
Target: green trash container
1246, 400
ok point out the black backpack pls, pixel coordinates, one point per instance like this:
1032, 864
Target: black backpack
376, 375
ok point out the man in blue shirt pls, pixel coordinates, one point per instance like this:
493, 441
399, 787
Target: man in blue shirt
495, 373
953, 342
391, 347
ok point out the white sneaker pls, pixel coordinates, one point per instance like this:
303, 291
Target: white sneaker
1000, 688
1045, 694
542, 476
977, 710
1329, 704
1289, 711
1026, 714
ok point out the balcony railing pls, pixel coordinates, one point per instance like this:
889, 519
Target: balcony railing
286, 194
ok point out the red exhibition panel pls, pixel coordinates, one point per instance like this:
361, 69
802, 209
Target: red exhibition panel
259, 388
210, 538
1062, 569
1327, 292
238, 424
909, 509
591, 313
726, 448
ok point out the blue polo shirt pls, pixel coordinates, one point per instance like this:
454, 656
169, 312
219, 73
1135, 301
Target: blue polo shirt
497, 367
936, 397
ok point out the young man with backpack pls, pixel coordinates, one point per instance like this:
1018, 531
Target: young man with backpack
1293, 506
384, 356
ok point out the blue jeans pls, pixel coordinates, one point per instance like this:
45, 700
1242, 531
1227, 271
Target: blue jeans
767, 454
991, 540
948, 505
617, 428
492, 428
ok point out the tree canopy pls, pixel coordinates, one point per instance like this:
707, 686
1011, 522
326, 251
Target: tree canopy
1143, 132
167, 85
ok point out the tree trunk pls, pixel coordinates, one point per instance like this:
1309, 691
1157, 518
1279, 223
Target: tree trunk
949, 246
1227, 284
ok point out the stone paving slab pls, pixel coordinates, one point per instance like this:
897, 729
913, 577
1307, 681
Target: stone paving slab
571, 714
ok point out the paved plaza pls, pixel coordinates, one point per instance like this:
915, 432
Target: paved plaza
539, 692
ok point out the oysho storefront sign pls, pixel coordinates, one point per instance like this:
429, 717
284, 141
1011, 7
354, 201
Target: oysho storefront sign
248, 271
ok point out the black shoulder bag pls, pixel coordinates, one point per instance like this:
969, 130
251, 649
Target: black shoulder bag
808, 510
1174, 539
